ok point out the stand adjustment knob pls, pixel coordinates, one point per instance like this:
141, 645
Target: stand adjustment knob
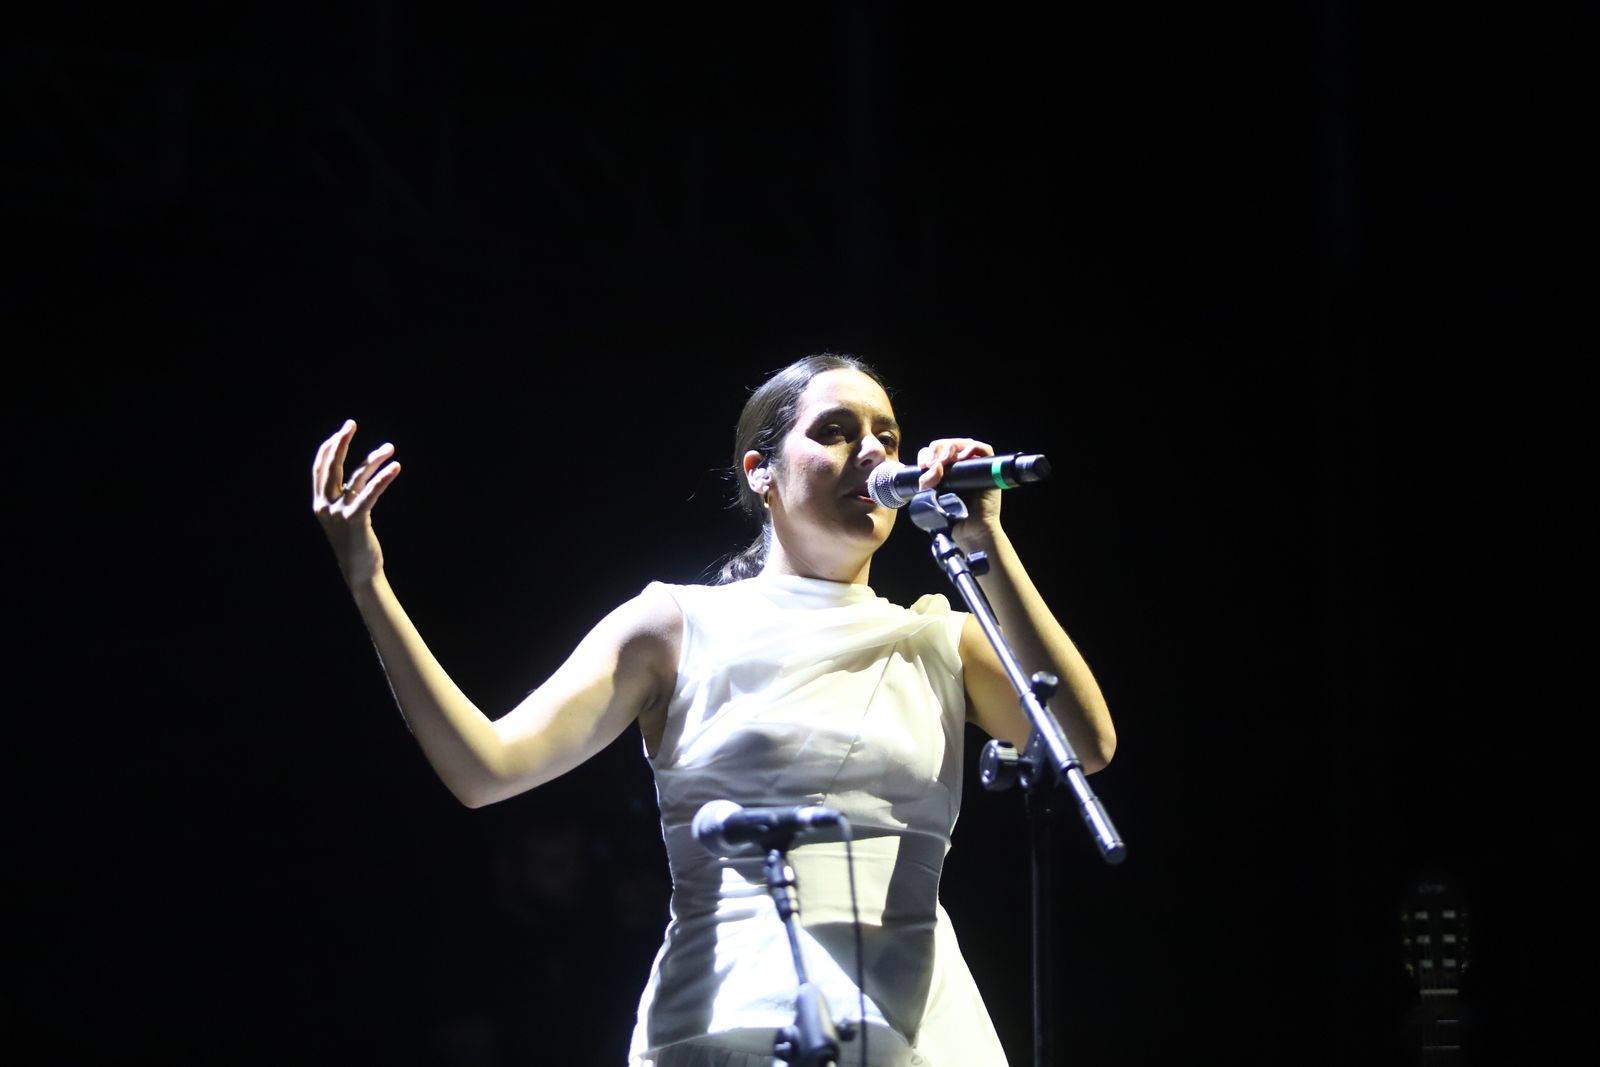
1045, 685
978, 563
998, 767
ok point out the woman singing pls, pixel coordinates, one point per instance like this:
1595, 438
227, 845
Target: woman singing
787, 682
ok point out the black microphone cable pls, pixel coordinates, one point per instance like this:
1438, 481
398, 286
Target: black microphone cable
855, 917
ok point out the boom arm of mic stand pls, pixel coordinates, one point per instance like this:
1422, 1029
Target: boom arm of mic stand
1048, 761
937, 515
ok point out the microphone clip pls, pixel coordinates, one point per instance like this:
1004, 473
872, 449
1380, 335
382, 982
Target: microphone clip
937, 515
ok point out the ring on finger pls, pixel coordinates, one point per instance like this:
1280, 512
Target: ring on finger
346, 489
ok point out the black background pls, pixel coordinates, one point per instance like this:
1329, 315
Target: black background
1291, 295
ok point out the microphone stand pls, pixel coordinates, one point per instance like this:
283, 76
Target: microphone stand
812, 1041
1047, 763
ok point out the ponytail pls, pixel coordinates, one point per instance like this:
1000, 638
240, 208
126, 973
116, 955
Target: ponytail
748, 563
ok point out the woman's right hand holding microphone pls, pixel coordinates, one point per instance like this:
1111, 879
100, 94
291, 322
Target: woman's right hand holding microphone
344, 507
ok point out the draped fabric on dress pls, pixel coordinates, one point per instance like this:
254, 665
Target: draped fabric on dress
798, 691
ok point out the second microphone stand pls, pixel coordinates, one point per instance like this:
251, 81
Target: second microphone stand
1047, 763
812, 1041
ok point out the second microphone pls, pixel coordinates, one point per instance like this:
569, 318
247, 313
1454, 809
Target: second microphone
726, 829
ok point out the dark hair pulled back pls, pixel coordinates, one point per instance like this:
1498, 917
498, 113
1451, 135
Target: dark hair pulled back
767, 418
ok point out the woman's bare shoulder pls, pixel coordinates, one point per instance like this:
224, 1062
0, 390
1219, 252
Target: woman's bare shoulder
655, 614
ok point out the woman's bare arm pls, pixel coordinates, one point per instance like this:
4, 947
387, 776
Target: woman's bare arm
624, 667
1036, 637
1039, 643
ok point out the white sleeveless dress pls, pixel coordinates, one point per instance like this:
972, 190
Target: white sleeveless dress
800, 691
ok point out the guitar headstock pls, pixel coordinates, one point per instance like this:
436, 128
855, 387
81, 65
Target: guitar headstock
1435, 935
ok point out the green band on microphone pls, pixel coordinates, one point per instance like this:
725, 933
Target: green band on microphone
995, 466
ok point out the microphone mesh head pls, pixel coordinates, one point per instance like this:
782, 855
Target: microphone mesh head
707, 825
881, 487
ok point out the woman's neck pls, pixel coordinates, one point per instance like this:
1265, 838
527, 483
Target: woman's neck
850, 570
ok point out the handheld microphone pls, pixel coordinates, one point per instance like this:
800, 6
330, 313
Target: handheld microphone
726, 829
894, 484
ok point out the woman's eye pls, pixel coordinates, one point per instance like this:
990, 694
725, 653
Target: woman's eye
832, 430
890, 442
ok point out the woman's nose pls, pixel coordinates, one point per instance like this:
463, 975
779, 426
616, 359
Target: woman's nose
871, 453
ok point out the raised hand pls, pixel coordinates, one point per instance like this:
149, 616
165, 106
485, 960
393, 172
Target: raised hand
344, 507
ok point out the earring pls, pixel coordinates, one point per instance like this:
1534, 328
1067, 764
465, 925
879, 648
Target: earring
766, 498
